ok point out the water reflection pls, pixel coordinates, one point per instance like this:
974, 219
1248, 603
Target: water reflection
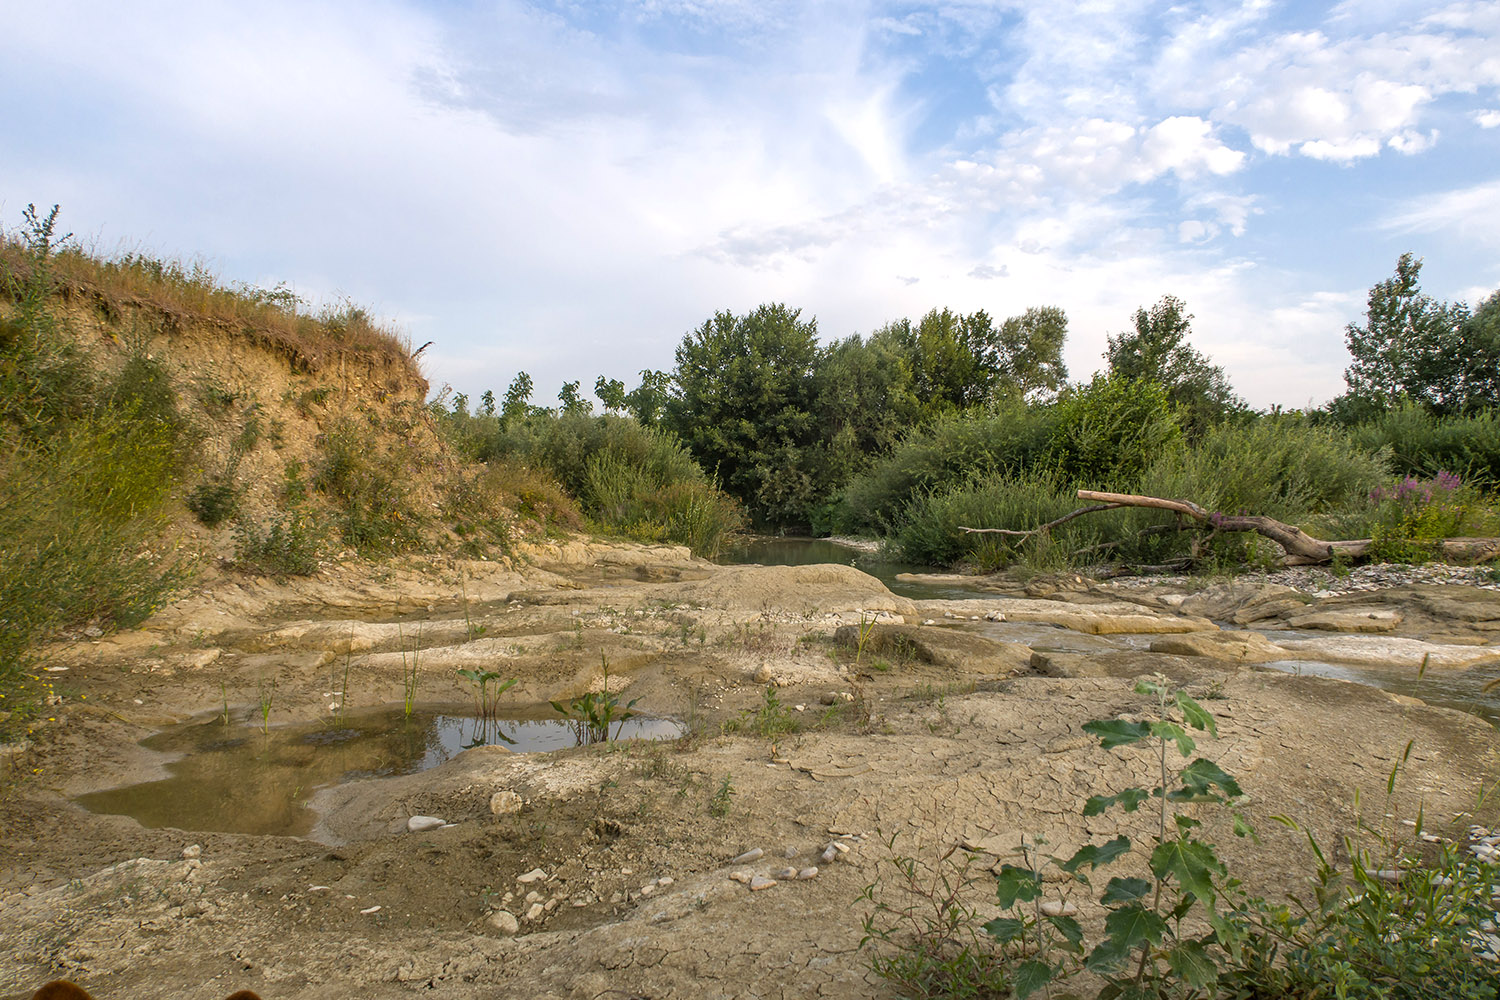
240, 780
774, 551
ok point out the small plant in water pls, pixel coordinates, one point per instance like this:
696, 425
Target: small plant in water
265, 691
591, 714
409, 672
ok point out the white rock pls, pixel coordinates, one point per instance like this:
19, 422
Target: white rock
535, 875
504, 921
785, 873
664, 881
743, 877
536, 910
807, 873
369, 910
505, 802
751, 855
648, 888
760, 882
419, 823
829, 854
1058, 908
191, 851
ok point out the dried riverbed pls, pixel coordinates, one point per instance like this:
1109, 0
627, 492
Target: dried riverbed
609, 868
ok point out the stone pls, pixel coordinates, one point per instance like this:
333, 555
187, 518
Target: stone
1388, 651
534, 912
504, 921
784, 873
535, 875
369, 910
665, 881
504, 803
417, 824
191, 851
648, 888
1353, 620
753, 854
1058, 908
743, 877
829, 854
760, 882
1237, 647
807, 873
952, 649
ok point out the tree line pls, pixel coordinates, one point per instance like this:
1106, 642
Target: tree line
785, 423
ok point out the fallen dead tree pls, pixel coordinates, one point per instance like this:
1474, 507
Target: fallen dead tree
1300, 548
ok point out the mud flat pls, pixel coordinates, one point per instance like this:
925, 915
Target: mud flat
825, 714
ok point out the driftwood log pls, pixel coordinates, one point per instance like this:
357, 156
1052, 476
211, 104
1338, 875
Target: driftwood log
1300, 548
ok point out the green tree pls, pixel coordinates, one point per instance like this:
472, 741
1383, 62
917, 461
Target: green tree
1414, 347
611, 393
517, 399
1157, 351
954, 359
744, 407
647, 402
1031, 347
1109, 431
572, 400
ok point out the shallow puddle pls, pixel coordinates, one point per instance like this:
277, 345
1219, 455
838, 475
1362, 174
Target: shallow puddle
240, 780
1460, 689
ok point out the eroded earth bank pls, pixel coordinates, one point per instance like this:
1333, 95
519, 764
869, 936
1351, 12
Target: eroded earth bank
607, 868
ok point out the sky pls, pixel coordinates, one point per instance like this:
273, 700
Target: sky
568, 188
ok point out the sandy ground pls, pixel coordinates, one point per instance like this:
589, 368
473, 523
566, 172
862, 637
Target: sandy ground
605, 870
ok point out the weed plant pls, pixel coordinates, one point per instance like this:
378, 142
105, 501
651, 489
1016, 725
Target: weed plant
376, 514
409, 674
593, 713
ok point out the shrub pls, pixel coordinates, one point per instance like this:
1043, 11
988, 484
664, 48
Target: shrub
1111, 430
1279, 466
954, 450
1408, 518
375, 512
288, 545
1421, 444
928, 531
213, 503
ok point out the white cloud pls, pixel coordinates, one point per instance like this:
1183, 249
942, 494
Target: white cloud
1183, 144
1488, 118
1471, 212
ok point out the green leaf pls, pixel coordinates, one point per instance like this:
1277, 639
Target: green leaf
1117, 732
1172, 731
1185, 823
1148, 687
1029, 977
1195, 715
1005, 929
1014, 885
1097, 854
1130, 798
1192, 863
1130, 925
1192, 962
1242, 827
1199, 776
1068, 928
1124, 890
1108, 955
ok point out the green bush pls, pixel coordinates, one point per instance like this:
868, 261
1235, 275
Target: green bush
928, 531
1111, 430
288, 545
213, 503
1421, 444
1279, 466
955, 449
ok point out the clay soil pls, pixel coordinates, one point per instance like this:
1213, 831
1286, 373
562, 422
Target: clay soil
934, 736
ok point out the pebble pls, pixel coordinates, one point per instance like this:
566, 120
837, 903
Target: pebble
369, 910
760, 882
648, 888
841, 847
743, 877
533, 897
665, 881
1058, 908
535, 875
504, 921
419, 823
535, 911
807, 873
829, 853
1387, 875
191, 851
789, 851
753, 854
784, 873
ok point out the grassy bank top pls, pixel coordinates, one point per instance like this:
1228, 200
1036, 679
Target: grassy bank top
181, 295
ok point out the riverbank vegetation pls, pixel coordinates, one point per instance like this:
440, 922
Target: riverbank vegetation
957, 420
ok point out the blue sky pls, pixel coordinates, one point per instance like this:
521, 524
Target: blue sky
567, 188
